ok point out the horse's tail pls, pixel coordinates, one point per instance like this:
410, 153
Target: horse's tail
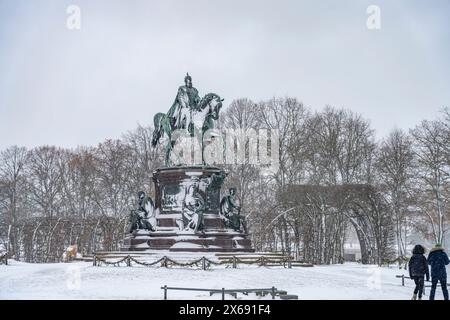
158, 132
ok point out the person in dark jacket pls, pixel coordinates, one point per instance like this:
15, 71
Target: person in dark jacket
418, 269
438, 259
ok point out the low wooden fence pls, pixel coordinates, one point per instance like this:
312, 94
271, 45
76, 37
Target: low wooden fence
203, 262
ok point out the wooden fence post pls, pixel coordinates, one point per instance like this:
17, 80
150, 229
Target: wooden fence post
234, 262
273, 292
165, 292
403, 280
223, 293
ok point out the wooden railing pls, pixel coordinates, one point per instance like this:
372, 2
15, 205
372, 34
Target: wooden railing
233, 292
203, 262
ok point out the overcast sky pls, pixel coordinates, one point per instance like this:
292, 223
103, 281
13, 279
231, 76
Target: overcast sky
78, 87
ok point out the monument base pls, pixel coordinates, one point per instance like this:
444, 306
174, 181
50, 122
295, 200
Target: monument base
168, 236
171, 187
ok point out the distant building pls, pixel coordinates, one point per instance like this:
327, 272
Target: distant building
352, 252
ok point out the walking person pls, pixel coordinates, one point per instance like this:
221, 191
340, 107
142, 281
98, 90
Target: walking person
438, 259
418, 269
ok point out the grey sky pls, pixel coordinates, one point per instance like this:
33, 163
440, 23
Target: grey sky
78, 87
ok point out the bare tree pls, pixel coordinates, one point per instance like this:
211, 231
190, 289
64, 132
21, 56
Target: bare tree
13, 192
395, 176
45, 180
145, 158
432, 169
114, 188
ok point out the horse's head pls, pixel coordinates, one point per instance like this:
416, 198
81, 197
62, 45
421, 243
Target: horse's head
215, 104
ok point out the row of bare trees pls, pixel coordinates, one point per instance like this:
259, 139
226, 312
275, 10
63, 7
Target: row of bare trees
400, 184
333, 177
51, 198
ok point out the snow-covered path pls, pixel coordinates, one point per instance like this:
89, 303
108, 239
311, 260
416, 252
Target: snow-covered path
80, 280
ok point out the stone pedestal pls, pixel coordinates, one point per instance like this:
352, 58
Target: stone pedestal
171, 185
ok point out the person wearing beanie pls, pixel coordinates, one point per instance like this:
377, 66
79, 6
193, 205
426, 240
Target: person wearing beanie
438, 259
418, 269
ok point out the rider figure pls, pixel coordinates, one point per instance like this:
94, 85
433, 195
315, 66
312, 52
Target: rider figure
189, 115
185, 103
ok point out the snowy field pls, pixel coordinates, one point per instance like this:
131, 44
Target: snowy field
80, 280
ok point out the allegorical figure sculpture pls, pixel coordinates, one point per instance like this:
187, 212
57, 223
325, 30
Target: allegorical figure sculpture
230, 211
141, 218
186, 110
193, 209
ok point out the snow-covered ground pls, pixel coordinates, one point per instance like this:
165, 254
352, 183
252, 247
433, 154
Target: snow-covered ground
81, 280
